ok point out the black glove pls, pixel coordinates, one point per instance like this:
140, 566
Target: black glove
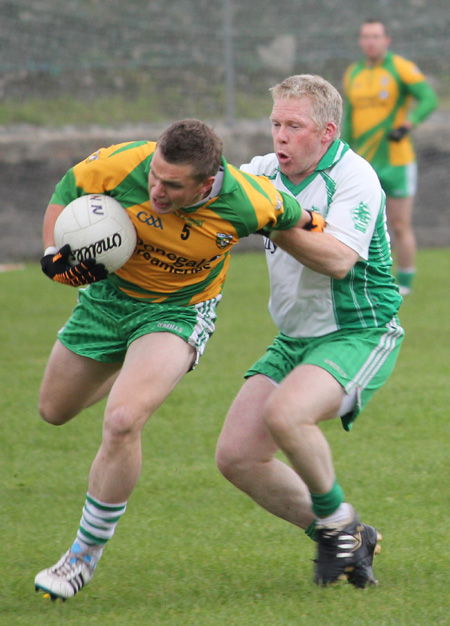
56, 266
317, 222
398, 133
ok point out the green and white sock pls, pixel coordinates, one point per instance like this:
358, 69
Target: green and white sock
325, 504
343, 514
405, 277
310, 531
97, 525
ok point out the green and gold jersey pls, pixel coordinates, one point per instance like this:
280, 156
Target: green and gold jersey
378, 99
181, 257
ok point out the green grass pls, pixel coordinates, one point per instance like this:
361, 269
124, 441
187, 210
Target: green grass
192, 550
140, 104
119, 110
66, 110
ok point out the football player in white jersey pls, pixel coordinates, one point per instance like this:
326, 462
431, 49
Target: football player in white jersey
335, 303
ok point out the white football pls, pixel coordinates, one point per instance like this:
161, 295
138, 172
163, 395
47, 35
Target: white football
96, 226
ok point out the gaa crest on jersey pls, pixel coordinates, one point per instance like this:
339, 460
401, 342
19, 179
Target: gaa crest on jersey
94, 157
223, 240
150, 220
361, 217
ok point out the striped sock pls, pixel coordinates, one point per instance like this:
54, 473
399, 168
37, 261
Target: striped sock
405, 277
343, 514
97, 525
311, 531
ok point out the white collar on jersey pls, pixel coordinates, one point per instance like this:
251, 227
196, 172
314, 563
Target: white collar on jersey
215, 189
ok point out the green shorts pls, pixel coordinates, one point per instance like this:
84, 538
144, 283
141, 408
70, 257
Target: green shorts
398, 181
106, 321
360, 360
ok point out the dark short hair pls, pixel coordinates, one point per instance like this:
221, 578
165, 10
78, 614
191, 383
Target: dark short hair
192, 142
375, 20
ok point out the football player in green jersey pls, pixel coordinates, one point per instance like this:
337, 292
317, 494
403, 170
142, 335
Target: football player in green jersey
379, 91
134, 334
335, 303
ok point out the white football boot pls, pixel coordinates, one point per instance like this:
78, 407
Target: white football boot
69, 575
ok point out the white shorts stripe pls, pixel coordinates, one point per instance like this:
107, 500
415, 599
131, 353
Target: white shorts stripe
205, 326
378, 356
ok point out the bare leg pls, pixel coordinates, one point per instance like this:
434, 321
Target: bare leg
153, 366
71, 383
306, 396
399, 215
245, 456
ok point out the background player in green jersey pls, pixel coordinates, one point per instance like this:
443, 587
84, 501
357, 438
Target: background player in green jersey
379, 91
134, 334
335, 305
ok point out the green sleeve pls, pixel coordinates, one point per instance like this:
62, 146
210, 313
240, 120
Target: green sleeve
291, 215
427, 102
66, 190
346, 133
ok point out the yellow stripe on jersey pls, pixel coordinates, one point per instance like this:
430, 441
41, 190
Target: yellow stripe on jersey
368, 148
107, 168
265, 187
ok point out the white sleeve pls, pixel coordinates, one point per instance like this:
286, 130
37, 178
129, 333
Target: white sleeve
355, 205
261, 165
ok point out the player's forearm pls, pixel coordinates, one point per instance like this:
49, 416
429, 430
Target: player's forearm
304, 220
320, 252
51, 215
427, 102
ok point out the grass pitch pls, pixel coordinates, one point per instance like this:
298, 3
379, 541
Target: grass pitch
191, 550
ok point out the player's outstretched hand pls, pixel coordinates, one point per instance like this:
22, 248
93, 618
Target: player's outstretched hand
317, 223
57, 267
398, 133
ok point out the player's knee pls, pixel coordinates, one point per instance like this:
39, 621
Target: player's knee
279, 420
52, 414
231, 462
397, 227
225, 460
121, 423
400, 227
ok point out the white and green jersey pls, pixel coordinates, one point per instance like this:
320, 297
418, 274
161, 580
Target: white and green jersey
345, 190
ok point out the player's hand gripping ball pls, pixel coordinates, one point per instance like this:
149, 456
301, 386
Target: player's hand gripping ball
58, 268
96, 226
